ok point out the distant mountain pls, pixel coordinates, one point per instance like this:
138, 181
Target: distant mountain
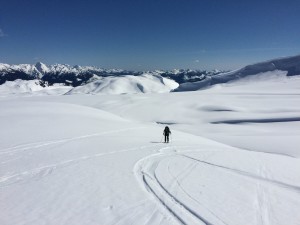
182, 76
58, 73
81, 75
289, 64
96, 80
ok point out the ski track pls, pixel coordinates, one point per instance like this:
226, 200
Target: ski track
134, 214
151, 218
182, 213
30, 146
162, 201
180, 176
184, 173
40, 172
263, 205
275, 183
148, 179
130, 216
182, 205
145, 171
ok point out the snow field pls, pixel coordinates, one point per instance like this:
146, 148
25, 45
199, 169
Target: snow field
98, 159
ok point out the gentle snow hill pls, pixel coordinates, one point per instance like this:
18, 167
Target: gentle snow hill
31, 87
291, 65
20, 86
127, 85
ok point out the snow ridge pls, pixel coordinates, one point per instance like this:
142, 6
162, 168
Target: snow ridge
289, 64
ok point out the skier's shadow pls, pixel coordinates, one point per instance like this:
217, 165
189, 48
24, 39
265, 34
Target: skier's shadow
155, 142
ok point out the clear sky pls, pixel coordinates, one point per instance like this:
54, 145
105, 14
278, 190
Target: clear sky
149, 34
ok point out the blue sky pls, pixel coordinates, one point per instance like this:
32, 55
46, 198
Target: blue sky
149, 34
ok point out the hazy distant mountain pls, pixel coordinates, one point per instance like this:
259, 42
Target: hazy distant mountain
187, 75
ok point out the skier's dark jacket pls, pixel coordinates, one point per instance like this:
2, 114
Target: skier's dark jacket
167, 131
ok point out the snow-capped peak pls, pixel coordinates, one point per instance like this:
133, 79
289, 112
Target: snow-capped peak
41, 67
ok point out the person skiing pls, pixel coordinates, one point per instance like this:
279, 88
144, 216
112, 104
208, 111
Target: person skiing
166, 133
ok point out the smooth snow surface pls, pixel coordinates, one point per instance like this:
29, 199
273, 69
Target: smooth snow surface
233, 159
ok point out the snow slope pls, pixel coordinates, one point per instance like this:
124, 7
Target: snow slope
127, 85
98, 159
99, 168
246, 114
289, 65
106, 85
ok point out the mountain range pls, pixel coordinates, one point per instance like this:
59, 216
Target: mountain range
89, 79
80, 75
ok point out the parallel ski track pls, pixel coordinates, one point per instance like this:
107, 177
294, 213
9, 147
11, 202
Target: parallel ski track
48, 169
249, 175
39, 172
181, 212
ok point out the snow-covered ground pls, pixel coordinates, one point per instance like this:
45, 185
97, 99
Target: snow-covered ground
234, 156
30, 87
